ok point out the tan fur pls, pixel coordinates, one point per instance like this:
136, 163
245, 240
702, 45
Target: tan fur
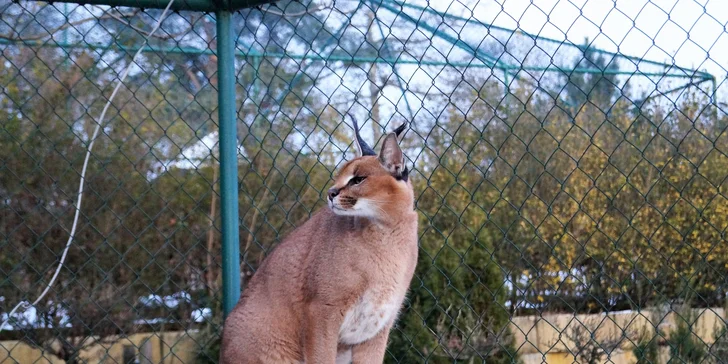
336, 278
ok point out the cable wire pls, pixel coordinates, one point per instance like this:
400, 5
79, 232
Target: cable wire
83, 170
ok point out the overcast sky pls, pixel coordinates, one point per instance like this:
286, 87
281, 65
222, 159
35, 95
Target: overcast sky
690, 32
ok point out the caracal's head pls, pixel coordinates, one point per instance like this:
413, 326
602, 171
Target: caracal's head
373, 186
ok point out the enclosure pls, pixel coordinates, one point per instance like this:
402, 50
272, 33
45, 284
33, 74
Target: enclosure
569, 158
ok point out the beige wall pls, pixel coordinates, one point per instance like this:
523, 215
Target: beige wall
540, 339
167, 348
549, 337
619, 357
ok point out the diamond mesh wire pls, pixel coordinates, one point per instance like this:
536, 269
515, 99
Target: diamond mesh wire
572, 198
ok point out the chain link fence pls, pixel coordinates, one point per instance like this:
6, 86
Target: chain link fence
573, 194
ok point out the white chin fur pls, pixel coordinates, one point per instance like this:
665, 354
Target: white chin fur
362, 208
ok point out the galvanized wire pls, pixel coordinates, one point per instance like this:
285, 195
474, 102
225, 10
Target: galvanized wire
572, 199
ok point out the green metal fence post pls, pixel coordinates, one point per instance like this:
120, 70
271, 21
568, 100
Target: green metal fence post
228, 161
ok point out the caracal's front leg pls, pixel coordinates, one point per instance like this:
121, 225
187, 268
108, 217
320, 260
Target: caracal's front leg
371, 351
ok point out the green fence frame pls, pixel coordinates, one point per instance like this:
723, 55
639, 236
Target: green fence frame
227, 118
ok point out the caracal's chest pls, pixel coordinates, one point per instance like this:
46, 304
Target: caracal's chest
374, 310
379, 305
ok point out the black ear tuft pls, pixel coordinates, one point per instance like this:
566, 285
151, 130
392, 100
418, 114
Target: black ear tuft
400, 129
363, 147
404, 175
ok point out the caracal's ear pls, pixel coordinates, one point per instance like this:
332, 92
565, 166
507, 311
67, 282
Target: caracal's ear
362, 148
391, 155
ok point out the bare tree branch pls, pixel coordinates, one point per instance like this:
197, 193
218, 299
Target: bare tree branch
64, 26
165, 37
301, 13
106, 15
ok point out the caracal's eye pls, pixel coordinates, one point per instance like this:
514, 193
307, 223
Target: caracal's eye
356, 180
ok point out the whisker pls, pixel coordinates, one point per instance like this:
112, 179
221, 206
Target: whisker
379, 208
